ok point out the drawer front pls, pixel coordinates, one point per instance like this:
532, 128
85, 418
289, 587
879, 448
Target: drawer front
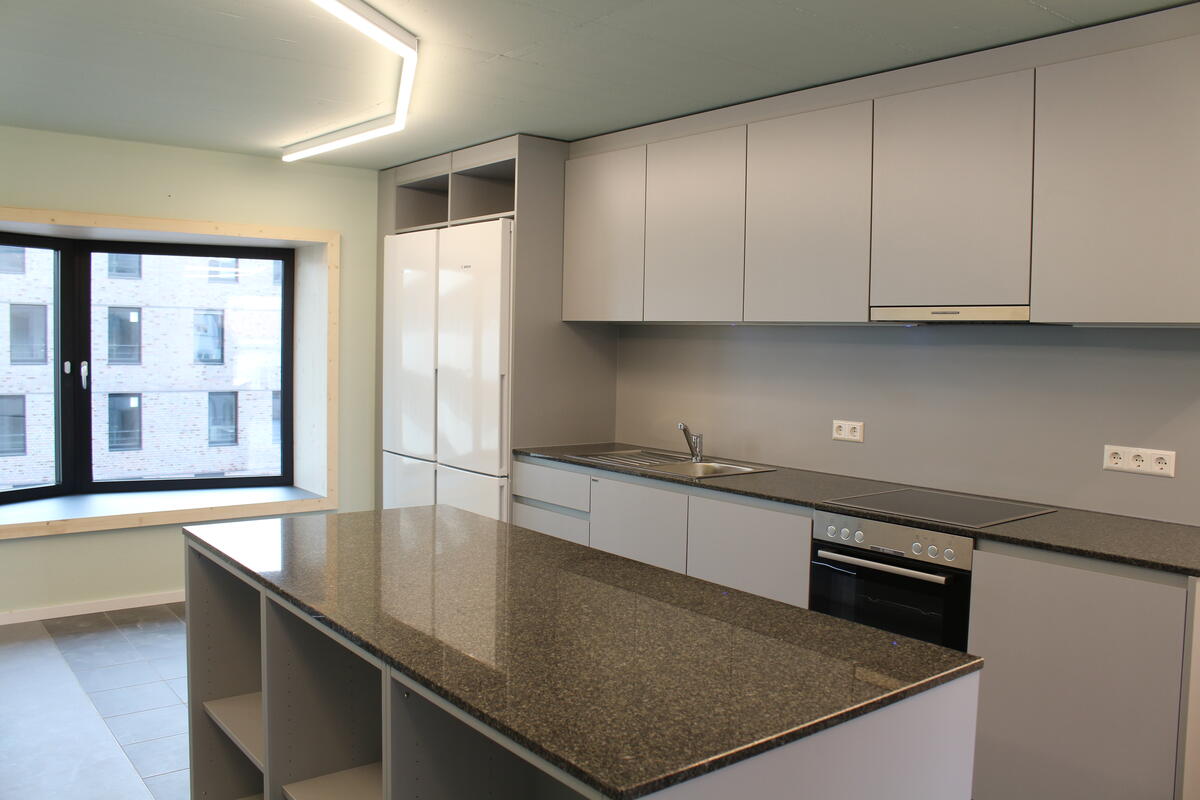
558, 487
550, 523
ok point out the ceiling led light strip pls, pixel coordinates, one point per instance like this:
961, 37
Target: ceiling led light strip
370, 22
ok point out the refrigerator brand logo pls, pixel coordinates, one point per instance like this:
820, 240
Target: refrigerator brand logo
466, 266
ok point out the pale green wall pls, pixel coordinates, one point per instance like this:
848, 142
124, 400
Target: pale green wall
39, 169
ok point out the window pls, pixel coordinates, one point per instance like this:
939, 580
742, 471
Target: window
222, 418
27, 334
209, 329
277, 276
12, 259
12, 425
178, 423
222, 270
124, 335
124, 265
124, 422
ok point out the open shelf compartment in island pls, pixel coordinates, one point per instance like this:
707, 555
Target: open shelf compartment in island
224, 680
324, 710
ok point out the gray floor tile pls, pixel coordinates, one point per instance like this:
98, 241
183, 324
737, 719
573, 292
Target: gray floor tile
93, 650
143, 617
129, 699
116, 676
80, 623
173, 667
142, 726
179, 687
159, 756
159, 643
170, 785
179, 610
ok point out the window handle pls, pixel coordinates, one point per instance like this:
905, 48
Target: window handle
83, 373
66, 368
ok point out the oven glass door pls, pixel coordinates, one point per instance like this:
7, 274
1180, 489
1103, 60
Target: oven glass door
935, 609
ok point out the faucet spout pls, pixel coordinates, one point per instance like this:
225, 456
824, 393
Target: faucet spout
695, 442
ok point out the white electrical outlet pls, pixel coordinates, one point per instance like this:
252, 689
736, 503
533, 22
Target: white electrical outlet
1140, 460
847, 431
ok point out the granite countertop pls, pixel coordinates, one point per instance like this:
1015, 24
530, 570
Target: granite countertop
1167, 546
629, 677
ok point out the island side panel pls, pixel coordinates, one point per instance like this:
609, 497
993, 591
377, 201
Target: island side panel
919, 748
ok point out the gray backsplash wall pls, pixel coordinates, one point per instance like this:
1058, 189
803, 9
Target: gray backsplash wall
1012, 411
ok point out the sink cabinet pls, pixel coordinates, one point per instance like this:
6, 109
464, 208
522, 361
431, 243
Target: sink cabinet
640, 522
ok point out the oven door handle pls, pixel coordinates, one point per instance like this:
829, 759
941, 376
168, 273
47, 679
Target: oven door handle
862, 562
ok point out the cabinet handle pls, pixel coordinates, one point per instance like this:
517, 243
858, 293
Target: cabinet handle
862, 562
83, 373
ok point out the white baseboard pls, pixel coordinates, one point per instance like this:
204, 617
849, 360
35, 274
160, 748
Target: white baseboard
89, 607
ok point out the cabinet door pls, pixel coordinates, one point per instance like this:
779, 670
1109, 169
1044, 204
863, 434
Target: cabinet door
953, 187
473, 301
808, 217
756, 550
1080, 689
604, 236
410, 343
695, 227
407, 482
640, 522
1116, 229
470, 491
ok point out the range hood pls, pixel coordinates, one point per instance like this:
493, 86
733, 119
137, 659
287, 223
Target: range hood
950, 313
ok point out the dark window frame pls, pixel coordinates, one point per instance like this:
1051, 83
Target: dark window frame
12, 336
69, 337
222, 442
124, 361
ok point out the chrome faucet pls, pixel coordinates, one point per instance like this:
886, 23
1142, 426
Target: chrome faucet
695, 442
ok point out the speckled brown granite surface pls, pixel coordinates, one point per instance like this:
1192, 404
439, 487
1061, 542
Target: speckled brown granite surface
1128, 540
629, 677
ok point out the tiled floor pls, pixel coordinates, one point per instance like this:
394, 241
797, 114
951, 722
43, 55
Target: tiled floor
131, 665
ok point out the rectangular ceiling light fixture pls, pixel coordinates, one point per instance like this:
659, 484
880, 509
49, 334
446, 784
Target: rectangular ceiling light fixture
370, 22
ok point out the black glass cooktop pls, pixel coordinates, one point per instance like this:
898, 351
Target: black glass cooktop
955, 509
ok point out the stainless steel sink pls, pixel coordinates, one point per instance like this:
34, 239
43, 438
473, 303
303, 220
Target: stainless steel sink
669, 464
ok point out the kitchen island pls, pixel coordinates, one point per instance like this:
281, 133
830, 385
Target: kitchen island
429, 652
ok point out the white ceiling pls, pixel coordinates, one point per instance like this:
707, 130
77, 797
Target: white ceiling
250, 76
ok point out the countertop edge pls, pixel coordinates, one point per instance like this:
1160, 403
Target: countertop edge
627, 793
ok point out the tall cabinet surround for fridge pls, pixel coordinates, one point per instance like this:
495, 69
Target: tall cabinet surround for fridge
475, 359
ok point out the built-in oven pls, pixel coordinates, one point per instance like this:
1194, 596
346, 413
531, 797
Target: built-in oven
910, 581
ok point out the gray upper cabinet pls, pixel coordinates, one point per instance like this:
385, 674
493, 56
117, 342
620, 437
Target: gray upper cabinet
695, 227
604, 236
808, 216
1079, 695
1117, 187
953, 186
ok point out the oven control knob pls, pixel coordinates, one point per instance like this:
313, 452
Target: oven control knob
917, 548
858, 536
948, 554
845, 533
933, 551
831, 531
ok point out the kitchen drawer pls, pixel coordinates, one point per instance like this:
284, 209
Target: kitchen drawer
551, 523
558, 487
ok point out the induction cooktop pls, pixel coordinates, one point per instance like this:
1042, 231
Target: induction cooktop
954, 509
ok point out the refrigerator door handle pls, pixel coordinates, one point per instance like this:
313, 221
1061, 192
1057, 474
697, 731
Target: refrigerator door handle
504, 455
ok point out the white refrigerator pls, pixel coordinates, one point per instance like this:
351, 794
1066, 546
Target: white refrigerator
445, 367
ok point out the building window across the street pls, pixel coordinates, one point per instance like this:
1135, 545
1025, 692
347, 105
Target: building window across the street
172, 395
124, 335
124, 422
27, 333
12, 425
209, 329
222, 418
124, 265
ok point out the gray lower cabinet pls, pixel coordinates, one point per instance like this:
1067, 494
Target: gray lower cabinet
695, 227
756, 550
1080, 690
1116, 228
953, 183
640, 522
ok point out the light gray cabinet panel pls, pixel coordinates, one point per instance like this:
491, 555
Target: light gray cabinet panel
953, 185
808, 217
640, 522
1116, 230
1080, 689
604, 236
756, 550
695, 227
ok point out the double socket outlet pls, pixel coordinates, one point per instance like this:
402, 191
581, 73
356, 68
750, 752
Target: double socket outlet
847, 431
1140, 460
